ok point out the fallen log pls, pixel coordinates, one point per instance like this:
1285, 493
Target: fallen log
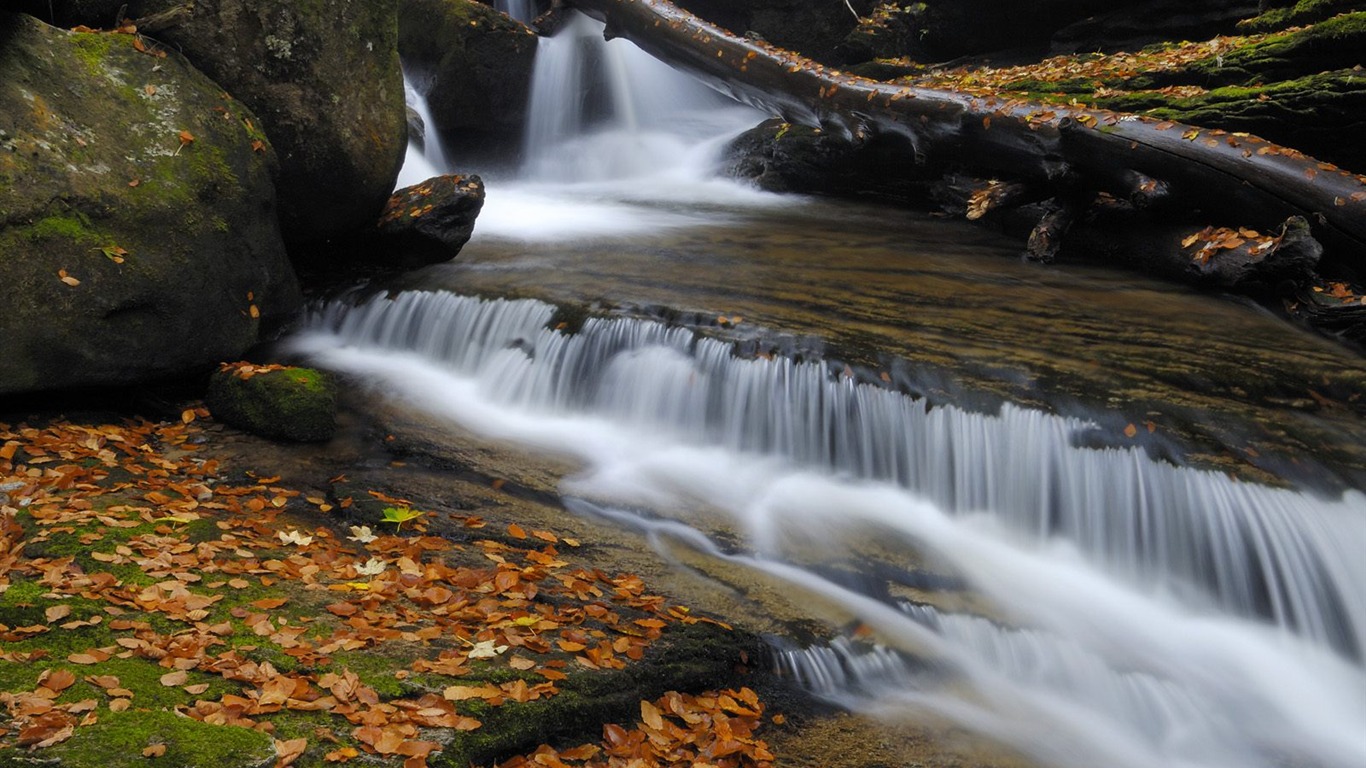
1067, 152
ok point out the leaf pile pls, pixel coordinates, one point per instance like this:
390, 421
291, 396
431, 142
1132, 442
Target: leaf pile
135, 574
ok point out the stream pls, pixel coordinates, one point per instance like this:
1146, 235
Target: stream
1144, 501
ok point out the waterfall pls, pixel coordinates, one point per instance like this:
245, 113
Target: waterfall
521, 10
427, 159
1150, 615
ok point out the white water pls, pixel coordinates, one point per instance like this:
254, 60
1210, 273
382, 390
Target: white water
616, 144
521, 10
1150, 615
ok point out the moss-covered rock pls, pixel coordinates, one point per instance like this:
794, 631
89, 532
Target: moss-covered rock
292, 404
138, 236
689, 659
474, 65
782, 157
1297, 13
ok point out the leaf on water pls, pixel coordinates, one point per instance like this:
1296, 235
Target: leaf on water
1130, 431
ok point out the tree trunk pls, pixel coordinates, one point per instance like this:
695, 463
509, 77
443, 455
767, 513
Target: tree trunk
1071, 153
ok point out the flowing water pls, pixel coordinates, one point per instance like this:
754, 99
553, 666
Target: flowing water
1144, 501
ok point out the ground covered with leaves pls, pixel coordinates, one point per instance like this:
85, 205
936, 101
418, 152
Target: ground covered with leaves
161, 607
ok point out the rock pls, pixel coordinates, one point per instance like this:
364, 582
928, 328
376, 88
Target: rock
278, 402
782, 157
325, 81
138, 236
474, 66
429, 223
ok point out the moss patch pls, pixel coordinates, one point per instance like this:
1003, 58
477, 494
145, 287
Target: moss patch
294, 404
119, 738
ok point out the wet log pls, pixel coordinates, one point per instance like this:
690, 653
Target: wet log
1213, 175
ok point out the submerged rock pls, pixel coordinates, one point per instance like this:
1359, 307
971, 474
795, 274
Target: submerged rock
429, 223
474, 66
138, 236
278, 402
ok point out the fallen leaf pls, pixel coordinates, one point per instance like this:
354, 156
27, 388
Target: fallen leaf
155, 750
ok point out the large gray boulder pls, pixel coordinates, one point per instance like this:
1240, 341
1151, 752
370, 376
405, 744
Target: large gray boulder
474, 65
138, 236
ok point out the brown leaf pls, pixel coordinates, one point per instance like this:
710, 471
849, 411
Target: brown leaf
154, 750
1130, 431
176, 678
516, 531
57, 680
286, 752
649, 714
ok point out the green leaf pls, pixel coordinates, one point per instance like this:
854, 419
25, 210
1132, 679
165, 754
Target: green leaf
400, 515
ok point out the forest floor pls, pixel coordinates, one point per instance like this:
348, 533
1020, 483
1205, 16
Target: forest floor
175, 592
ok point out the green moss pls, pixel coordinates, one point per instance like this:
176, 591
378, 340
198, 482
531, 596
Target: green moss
73, 226
687, 659
295, 404
117, 741
92, 48
1303, 12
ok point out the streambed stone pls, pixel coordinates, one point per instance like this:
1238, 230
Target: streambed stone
138, 236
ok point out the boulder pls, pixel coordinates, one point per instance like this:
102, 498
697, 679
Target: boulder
323, 78
429, 223
781, 157
281, 403
138, 236
474, 66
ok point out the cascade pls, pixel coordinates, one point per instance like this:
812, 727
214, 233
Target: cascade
1137, 613
1152, 614
429, 158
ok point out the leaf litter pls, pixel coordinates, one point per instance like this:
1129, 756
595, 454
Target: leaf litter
217, 581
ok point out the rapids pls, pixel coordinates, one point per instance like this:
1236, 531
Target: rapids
1151, 496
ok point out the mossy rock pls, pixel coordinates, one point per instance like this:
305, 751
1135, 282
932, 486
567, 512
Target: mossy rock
324, 81
290, 404
138, 236
687, 658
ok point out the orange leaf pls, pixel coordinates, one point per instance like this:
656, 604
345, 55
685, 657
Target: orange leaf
57, 680
155, 750
1130, 431
516, 532
286, 752
649, 714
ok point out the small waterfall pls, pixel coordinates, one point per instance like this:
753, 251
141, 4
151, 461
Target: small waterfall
429, 158
1150, 615
603, 110
1258, 551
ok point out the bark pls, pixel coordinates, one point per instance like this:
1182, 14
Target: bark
1069, 152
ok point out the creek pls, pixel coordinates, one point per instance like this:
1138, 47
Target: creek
1098, 518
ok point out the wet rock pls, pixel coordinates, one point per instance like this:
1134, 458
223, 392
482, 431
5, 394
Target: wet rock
429, 223
281, 403
138, 236
782, 157
474, 66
